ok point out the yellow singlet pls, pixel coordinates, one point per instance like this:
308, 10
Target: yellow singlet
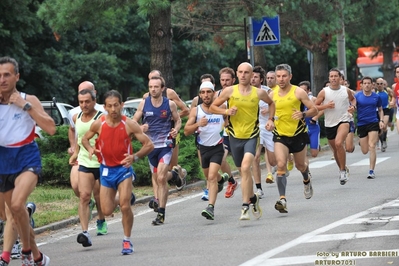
244, 124
284, 124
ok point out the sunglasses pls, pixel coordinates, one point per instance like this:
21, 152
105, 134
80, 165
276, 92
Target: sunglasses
380, 83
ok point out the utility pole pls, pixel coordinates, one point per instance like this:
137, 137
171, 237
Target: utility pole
341, 56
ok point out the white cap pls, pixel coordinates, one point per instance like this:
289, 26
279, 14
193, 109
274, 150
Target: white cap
207, 85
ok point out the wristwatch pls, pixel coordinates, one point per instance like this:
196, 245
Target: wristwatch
135, 158
27, 106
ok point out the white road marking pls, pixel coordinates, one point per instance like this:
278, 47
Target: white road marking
367, 161
320, 164
379, 219
352, 235
264, 258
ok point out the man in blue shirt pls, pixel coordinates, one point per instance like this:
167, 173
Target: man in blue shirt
368, 123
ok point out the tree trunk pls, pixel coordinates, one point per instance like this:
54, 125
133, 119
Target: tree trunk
161, 34
387, 65
320, 69
259, 57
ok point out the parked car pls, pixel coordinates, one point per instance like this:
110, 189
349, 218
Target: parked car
57, 111
130, 107
188, 103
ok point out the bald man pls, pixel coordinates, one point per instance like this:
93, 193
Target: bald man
243, 129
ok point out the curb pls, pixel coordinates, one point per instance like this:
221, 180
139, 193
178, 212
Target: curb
75, 220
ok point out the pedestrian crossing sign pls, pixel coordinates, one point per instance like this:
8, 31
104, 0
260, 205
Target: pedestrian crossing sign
266, 31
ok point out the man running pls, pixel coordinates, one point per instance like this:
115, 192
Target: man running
20, 162
115, 153
243, 129
368, 124
89, 168
210, 142
336, 101
290, 132
158, 112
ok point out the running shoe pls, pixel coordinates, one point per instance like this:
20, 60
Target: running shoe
16, 250
44, 262
308, 189
281, 205
371, 174
159, 220
153, 204
269, 178
343, 177
260, 193
230, 189
132, 199
392, 127
205, 196
256, 209
3, 262
92, 204
31, 207
244, 213
182, 173
27, 260
102, 227
332, 157
225, 177
290, 165
127, 247
208, 213
84, 239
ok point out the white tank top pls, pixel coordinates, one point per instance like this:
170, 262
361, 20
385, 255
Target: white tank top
17, 126
212, 133
263, 118
333, 117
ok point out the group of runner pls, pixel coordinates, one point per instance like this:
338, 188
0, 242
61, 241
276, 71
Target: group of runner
263, 110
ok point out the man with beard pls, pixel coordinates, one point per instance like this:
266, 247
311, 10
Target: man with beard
210, 141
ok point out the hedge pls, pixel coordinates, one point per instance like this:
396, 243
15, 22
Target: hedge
56, 168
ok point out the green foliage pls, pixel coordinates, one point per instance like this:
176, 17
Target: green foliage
56, 168
55, 157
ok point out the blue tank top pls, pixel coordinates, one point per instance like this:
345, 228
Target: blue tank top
159, 120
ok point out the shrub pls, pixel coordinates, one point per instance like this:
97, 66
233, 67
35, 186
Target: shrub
55, 157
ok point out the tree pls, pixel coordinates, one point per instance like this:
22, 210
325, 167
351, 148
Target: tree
379, 30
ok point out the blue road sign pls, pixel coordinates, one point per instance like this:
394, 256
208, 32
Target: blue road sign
266, 31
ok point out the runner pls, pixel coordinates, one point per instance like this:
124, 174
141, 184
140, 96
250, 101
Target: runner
114, 150
20, 162
290, 132
210, 141
243, 102
158, 112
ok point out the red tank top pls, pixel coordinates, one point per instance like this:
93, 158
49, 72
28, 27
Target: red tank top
113, 143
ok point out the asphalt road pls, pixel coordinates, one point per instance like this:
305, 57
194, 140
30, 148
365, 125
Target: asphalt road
343, 225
